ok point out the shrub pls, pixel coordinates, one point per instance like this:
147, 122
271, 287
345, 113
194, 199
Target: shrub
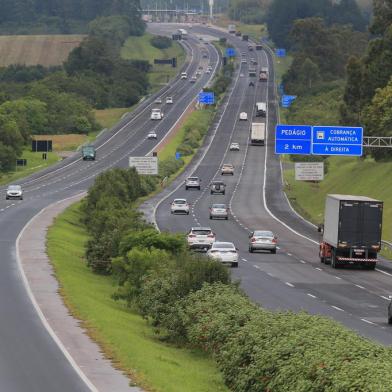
161, 42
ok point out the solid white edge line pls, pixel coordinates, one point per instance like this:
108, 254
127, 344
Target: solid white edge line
383, 272
367, 321
36, 306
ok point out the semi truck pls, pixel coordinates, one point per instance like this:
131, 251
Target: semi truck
263, 75
351, 231
231, 28
88, 153
257, 134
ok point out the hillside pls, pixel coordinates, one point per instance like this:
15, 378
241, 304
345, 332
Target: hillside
46, 50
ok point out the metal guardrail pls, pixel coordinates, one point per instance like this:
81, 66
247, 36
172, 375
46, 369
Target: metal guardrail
377, 141
387, 244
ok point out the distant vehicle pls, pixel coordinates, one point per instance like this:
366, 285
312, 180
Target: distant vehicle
183, 32
193, 79
169, 100
208, 71
156, 114
217, 187
257, 134
198, 73
219, 211
184, 75
88, 153
234, 147
252, 72
351, 231
225, 252
243, 116
243, 54
231, 28
179, 206
14, 192
227, 168
152, 135
238, 33
192, 182
200, 67
250, 48
245, 37
262, 240
205, 55
243, 61
259, 47
158, 100
263, 76
200, 238
261, 109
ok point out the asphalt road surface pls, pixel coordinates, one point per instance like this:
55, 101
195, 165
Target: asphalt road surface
29, 358
294, 278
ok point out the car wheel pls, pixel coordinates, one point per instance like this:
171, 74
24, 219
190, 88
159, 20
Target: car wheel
210, 217
371, 266
234, 265
390, 320
186, 188
227, 218
21, 198
273, 251
232, 174
250, 250
223, 192
198, 188
211, 192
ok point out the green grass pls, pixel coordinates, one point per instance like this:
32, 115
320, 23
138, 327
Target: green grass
109, 117
123, 334
351, 176
34, 163
139, 48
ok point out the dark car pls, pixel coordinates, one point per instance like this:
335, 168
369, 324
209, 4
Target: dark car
390, 310
217, 187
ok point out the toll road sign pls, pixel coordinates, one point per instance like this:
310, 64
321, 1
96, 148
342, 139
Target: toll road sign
293, 139
336, 140
230, 52
208, 98
300, 147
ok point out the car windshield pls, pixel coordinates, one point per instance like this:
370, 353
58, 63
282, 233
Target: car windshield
260, 233
228, 166
14, 188
219, 206
218, 183
156, 110
193, 179
223, 245
179, 201
201, 232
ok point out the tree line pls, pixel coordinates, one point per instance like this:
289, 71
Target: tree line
21, 15
191, 300
60, 100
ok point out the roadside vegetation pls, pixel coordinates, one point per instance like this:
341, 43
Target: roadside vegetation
164, 300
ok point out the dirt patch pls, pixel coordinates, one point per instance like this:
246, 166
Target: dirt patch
46, 50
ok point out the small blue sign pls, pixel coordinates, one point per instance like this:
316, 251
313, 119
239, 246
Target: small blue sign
336, 140
178, 155
293, 139
287, 100
208, 98
280, 52
230, 52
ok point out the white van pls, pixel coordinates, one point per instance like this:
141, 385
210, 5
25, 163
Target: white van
261, 109
156, 114
184, 75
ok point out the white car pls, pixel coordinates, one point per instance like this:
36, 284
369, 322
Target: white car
192, 182
158, 100
156, 114
243, 116
198, 73
184, 75
227, 168
208, 71
193, 79
234, 147
200, 238
169, 100
179, 206
225, 252
152, 135
14, 192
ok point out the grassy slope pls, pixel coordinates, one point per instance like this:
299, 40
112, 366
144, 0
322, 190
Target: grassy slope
124, 335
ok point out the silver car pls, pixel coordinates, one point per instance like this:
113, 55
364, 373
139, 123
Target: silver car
192, 182
262, 240
179, 206
14, 192
219, 211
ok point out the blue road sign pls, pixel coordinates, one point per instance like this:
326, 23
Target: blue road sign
207, 98
178, 155
336, 140
280, 52
230, 52
287, 100
293, 139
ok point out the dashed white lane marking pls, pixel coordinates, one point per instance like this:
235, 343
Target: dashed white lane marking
289, 284
244, 259
384, 297
338, 277
367, 321
359, 286
302, 261
289, 254
311, 295
337, 308
256, 266
278, 247
318, 269
383, 272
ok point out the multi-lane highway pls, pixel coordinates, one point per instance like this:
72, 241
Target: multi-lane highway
29, 359
293, 278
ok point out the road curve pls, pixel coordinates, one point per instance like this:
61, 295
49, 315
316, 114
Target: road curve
30, 360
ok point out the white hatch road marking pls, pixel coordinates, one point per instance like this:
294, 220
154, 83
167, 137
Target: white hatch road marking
256, 266
244, 259
302, 261
289, 254
338, 277
337, 308
359, 286
367, 321
311, 295
318, 269
289, 284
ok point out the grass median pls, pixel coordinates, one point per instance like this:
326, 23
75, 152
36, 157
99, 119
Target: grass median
124, 336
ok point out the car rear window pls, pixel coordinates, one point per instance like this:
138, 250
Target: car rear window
193, 179
201, 232
180, 201
219, 206
263, 234
224, 246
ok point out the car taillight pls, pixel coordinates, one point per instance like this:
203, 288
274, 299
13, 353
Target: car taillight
233, 251
253, 239
274, 241
214, 251
211, 235
192, 236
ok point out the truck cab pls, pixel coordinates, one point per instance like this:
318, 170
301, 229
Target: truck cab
88, 153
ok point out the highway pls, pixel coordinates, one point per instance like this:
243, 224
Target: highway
29, 359
294, 278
